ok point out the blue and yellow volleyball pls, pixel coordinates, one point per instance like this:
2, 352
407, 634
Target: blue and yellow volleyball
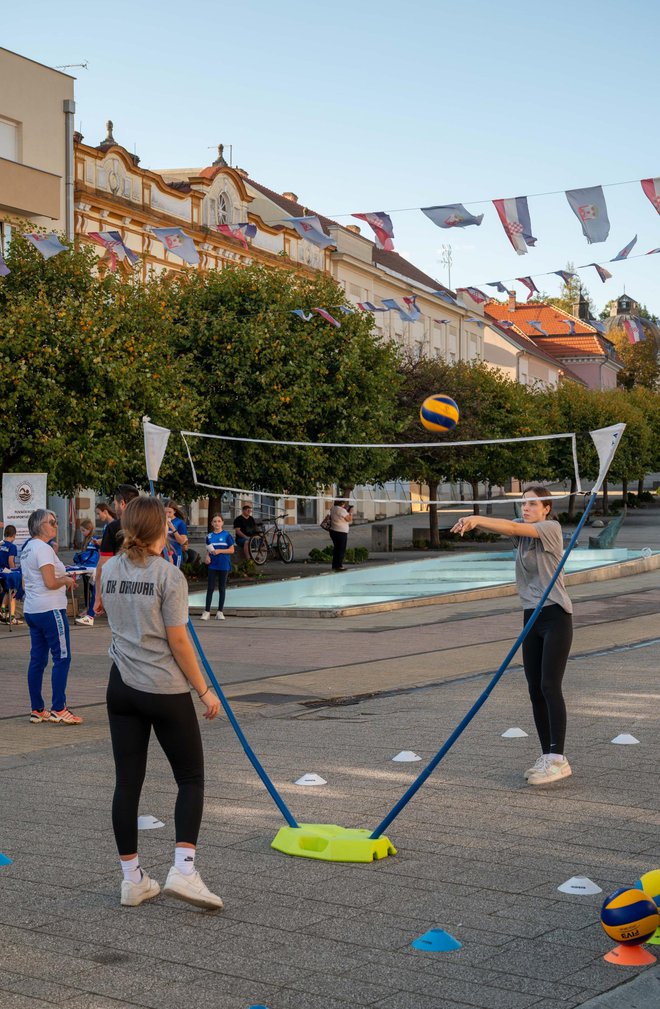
439, 414
650, 884
629, 916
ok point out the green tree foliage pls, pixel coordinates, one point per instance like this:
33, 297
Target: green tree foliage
640, 360
491, 406
83, 358
268, 374
570, 294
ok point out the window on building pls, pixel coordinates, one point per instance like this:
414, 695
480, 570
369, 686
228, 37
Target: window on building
9, 140
224, 209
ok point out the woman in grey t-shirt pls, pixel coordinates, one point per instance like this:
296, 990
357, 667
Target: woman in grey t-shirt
546, 648
153, 670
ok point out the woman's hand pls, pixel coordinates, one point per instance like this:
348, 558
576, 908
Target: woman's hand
212, 703
207, 559
465, 525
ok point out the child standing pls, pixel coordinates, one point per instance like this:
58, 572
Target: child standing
11, 578
220, 547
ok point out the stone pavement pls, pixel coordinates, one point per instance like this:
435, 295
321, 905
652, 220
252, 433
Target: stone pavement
480, 854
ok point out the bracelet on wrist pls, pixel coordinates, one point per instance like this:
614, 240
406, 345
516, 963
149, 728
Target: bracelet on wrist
204, 694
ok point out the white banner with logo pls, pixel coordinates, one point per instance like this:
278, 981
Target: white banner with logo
21, 494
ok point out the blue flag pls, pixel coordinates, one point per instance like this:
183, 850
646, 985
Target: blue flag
178, 243
536, 324
590, 208
625, 252
565, 275
445, 296
452, 215
499, 286
311, 230
47, 245
305, 316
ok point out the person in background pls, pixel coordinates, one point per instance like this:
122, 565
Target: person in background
11, 580
341, 516
46, 581
154, 668
539, 549
104, 514
52, 542
89, 556
244, 528
177, 532
220, 547
111, 539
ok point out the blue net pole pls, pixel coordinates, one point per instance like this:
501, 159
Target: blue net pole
481, 700
249, 752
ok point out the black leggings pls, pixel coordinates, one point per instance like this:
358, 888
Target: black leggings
132, 713
545, 653
221, 578
339, 541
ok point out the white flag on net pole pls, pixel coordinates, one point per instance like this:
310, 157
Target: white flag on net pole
155, 443
606, 441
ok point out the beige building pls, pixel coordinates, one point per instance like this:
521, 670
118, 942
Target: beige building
36, 146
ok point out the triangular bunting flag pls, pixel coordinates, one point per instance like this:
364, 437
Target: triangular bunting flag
382, 227
311, 230
590, 208
625, 252
46, 245
514, 215
606, 440
155, 443
452, 215
178, 243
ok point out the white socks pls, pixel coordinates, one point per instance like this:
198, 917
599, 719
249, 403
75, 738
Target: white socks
555, 756
131, 869
184, 860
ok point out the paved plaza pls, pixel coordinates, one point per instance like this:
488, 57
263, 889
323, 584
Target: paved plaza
479, 853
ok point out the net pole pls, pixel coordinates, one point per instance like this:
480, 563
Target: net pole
481, 700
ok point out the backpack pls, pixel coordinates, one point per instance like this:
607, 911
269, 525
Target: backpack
89, 557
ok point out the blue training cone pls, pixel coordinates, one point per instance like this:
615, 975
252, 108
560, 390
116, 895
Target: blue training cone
436, 940
5, 860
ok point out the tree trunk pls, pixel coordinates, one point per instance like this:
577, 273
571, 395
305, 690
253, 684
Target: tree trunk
489, 498
624, 491
474, 484
571, 500
640, 486
215, 507
434, 537
606, 501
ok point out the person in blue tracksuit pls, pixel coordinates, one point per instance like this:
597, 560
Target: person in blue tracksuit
177, 532
219, 548
10, 577
46, 581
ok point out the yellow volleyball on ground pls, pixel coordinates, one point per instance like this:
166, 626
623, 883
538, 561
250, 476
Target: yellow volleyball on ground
439, 413
629, 916
650, 884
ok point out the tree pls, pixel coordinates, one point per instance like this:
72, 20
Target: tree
268, 374
640, 360
491, 406
571, 291
83, 359
571, 408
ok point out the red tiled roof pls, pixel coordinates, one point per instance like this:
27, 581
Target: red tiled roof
393, 261
586, 342
528, 345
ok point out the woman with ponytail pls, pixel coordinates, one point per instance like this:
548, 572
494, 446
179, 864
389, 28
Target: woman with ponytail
154, 668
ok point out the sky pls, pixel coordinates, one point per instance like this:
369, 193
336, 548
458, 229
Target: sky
366, 105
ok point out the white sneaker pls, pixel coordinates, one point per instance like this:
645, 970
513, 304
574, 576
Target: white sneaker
133, 894
205, 615
539, 765
553, 770
191, 889
85, 621
219, 615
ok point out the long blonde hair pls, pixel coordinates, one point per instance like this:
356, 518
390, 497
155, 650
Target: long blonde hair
142, 525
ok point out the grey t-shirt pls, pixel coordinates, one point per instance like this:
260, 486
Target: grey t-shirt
536, 563
141, 600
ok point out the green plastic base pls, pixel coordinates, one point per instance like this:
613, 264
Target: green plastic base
655, 938
331, 843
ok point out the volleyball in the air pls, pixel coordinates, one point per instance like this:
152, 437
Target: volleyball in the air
439, 413
650, 884
629, 916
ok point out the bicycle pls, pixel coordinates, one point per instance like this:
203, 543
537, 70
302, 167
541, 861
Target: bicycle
261, 547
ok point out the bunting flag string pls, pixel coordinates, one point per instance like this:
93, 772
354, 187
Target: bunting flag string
625, 252
589, 207
46, 245
452, 215
241, 232
112, 241
514, 215
381, 223
530, 285
536, 324
310, 229
600, 270
178, 243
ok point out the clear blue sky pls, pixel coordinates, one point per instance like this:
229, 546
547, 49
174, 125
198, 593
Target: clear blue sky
361, 105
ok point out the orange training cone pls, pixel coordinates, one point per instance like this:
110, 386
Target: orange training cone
630, 956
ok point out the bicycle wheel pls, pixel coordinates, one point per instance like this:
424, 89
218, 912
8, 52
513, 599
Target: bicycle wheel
258, 548
285, 547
